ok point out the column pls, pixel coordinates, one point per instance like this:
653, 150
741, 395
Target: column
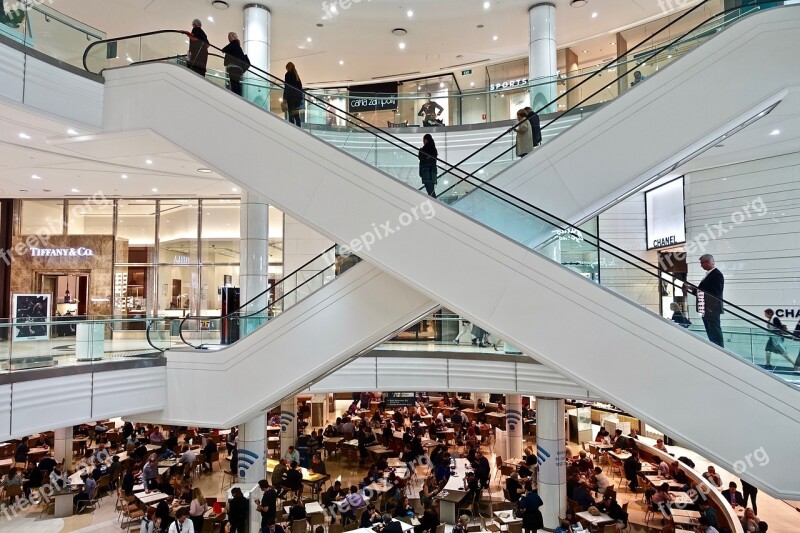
62, 447
252, 451
572, 98
254, 256
514, 425
256, 43
542, 61
551, 457
622, 48
288, 424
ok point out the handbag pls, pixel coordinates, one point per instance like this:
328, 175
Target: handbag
284, 106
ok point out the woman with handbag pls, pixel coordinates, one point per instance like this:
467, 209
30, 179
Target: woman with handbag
775, 341
236, 63
427, 164
293, 93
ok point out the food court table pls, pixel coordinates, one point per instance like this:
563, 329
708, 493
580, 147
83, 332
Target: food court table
497, 420
309, 478
506, 517
657, 481
63, 503
680, 499
684, 517
149, 498
595, 521
311, 508
453, 492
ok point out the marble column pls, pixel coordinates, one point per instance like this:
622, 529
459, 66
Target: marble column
62, 447
574, 97
256, 43
252, 452
288, 424
542, 61
254, 257
514, 425
551, 455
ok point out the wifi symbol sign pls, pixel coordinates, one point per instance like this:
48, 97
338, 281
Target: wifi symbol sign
541, 455
513, 417
245, 461
287, 417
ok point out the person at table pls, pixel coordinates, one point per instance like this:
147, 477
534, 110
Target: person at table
99, 470
612, 508
297, 511
704, 527
584, 463
292, 455
532, 520
279, 473
156, 437
709, 512
47, 463
483, 469
208, 454
390, 525
21, 452
712, 477
164, 485
148, 524
429, 520
150, 472
660, 446
86, 493
733, 496
188, 457
329, 432
182, 524
127, 430
293, 481
600, 481
632, 466
318, 465
162, 516
662, 498
621, 442
403, 508
34, 479
140, 452
582, 495
514, 488
128, 482
430, 488
461, 525
369, 517
663, 469
12, 478
273, 528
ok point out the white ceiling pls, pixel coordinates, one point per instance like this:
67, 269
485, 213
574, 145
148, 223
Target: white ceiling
441, 34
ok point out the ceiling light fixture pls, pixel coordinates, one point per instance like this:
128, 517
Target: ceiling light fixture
495, 37
594, 15
775, 132
441, 85
308, 39
24, 136
399, 32
341, 61
36, 177
211, 19
204, 170
149, 161
220, 4
124, 176
234, 189
410, 13
71, 132
578, 3
401, 46
75, 190
487, 5
585, 51
154, 189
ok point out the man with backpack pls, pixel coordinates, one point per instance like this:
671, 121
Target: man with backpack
536, 126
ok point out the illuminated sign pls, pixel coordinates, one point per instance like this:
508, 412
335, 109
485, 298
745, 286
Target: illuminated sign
62, 252
787, 313
666, 222
508, 85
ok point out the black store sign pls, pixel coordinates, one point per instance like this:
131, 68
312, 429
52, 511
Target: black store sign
400, 399
375, 97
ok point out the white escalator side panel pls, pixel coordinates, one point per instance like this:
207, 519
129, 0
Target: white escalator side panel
220, 388
684, 107
590, 334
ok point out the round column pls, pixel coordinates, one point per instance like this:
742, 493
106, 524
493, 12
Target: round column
542, 62
62, 447
254, 256
551, 459
252, 452
288, 424
256, 43
514, 426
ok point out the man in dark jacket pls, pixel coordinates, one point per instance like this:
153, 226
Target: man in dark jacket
711, 288
536, 126
632, 466
197, 59
238, 510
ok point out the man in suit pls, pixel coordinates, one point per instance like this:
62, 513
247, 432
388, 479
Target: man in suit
391, 526
632, 466
711, 286
733, 496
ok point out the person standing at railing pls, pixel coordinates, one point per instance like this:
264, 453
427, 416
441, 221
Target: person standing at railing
197, 59
536, 126
524, 134
709, 299
235, 63
775, 341
293, 93
427, 164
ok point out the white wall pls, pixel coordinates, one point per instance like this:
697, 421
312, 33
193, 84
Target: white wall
300, 244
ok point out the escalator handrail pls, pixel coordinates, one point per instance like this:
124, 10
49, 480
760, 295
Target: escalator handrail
150, 323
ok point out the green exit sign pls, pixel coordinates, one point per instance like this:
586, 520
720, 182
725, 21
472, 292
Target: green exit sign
466, 72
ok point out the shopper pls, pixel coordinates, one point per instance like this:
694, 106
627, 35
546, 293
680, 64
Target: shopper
463, 329
532, 520
775, 341
536, 126
181, 524
198, 48
749, 493
711, 287
197, 509
236, 64
427, 164
524, 134
293, 93
430, 112
638, 78
677, 315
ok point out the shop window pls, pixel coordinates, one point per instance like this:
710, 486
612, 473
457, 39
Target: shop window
177, 234
90, 218
220, 231
136, 222
40, 217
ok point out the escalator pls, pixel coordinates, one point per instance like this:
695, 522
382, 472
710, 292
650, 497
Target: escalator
528, 299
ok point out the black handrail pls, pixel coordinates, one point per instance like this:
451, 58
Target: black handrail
150, 322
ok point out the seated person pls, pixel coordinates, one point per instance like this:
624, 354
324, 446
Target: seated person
584, 463
581, 494
600, 481
100, 470
318, 465
370, 516
403, 508
610, 506
294, 480
660, 446
429, 520
297, 511
12, 478
712, 477
662, 498
514, 488
733, 496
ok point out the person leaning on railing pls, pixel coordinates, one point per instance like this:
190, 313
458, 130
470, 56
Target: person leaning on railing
197, 58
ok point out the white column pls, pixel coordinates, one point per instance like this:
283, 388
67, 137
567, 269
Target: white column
552, 459
252, 451
253, 254
542, 61
62, 447
256, 44
514, 426
288, 424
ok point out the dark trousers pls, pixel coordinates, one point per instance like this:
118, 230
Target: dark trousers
749, 491
294, 117
238, 527
713, 329
428, 175
197, 522
235, 79
200, 69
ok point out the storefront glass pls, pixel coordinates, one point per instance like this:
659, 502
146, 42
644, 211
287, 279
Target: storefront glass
42, 216
177, 236
90, 218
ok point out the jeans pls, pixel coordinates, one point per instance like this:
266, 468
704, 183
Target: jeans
294, 117
713, 329
428, 175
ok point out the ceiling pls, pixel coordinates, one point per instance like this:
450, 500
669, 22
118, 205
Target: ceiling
442, 35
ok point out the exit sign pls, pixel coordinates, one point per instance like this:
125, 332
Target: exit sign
466, 72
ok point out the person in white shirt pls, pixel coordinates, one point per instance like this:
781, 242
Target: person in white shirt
148, 524
660, 445
712, 477
188, 456
601, 481
292, 455
440, 417
663, 469
181, 524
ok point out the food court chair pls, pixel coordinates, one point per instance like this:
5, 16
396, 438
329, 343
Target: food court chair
440, 528
514, 527
335, 528
227, 474
299, 526
12, 492
498, 464
316, 519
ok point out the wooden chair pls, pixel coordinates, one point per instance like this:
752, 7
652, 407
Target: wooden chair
316, 519
227, 473
299, 526
132, 516
440, 528
609, 528
12, 492
215, 458
336, 528
498, 464
489, 525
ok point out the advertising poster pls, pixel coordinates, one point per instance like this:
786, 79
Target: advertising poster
30, 311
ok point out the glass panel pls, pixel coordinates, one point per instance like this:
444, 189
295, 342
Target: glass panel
213, 278
136, 225
42, 216
59, 36
179, 287
133, 292
221, 234
88, 218
177, 239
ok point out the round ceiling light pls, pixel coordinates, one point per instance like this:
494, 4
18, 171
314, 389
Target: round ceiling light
399, 32
578, 3
220, 4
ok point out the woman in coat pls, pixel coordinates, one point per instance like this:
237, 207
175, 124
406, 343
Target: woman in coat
293, 93
427, 164
524, 134
235, 62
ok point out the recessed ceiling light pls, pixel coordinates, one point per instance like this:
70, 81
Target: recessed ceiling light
775, 132
419, 87
441, 84
594, 15
211, 19
585, 51
234, 189
578, 3
75, 190
220, 4
480, 26
154, 189
320, 25
308, 39
71, 132
129, 59
204, 170
669, 56
24, 136
487, 5
124, 176
410, 13
472, 84
149, 161
401, 46
341, 61
333, 8
495, 37
36, 177
613, 44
